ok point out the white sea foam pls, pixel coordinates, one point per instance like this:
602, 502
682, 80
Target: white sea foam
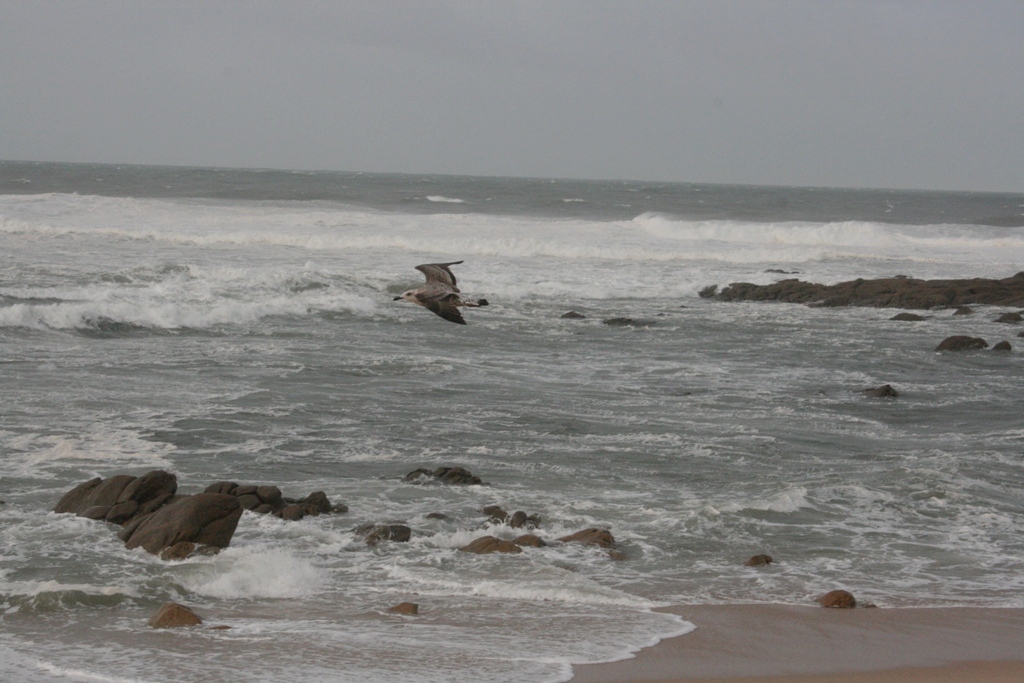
254, 572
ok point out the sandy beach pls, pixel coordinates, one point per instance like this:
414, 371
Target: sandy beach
798, 644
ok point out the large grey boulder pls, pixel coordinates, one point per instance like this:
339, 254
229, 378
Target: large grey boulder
205, 518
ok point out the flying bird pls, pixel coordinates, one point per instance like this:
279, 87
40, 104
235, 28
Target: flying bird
439, 293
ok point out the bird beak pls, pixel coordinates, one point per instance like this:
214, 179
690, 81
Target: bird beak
397, 298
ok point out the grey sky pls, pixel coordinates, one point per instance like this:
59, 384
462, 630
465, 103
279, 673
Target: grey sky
853, 93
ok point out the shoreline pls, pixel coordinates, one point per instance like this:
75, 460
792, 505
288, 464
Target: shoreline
772, 643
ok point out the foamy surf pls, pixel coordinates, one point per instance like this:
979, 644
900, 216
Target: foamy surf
258, 342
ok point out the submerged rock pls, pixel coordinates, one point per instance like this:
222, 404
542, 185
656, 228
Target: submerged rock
406, 608
1009, 318
375, 533
173, 615
627, 322
598, 537
573, 315
910, 317
959, 342
1002, 346
490, 544
529, 541
759, 561
884, 391
457, 476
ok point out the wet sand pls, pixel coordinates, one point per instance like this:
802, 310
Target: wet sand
797, 644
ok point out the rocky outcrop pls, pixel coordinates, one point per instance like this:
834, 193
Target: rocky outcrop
893, 292
839, 598
269, 500
959, 342
457, 476
120, 498
173, 615
490, 544
1003, 346
203, 519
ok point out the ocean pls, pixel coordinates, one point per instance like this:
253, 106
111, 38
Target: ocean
239, 325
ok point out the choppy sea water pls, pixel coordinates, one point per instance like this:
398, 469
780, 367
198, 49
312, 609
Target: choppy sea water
240, 325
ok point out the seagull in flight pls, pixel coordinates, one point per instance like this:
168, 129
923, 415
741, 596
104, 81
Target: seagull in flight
439, 293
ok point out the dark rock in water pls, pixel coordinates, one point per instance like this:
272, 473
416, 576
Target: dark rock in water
964, 310
375, 533
457, 476
178, 551
122, 512
1020, 334
438, 515
959, 342
271, 495
910, 317
759, 561
894, 292
122, 497
206, 518
884, 391
315, 503
173, 615
97, 512
708, 292
782, 272
1010, 318
249, 501
627, 322
292, 513
496, 514
418, 475
573, 315
599, 537
490, 544
840, 598
529, 541
1002, 346
407, 608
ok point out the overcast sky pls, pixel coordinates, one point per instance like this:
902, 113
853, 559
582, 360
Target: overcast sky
849, 93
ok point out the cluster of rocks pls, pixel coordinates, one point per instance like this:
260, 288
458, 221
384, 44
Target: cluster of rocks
155, 517
444, 475
893, 292
601, 538
268, 500
960, 342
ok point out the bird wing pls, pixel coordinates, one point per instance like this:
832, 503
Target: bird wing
439, 272
445, 307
